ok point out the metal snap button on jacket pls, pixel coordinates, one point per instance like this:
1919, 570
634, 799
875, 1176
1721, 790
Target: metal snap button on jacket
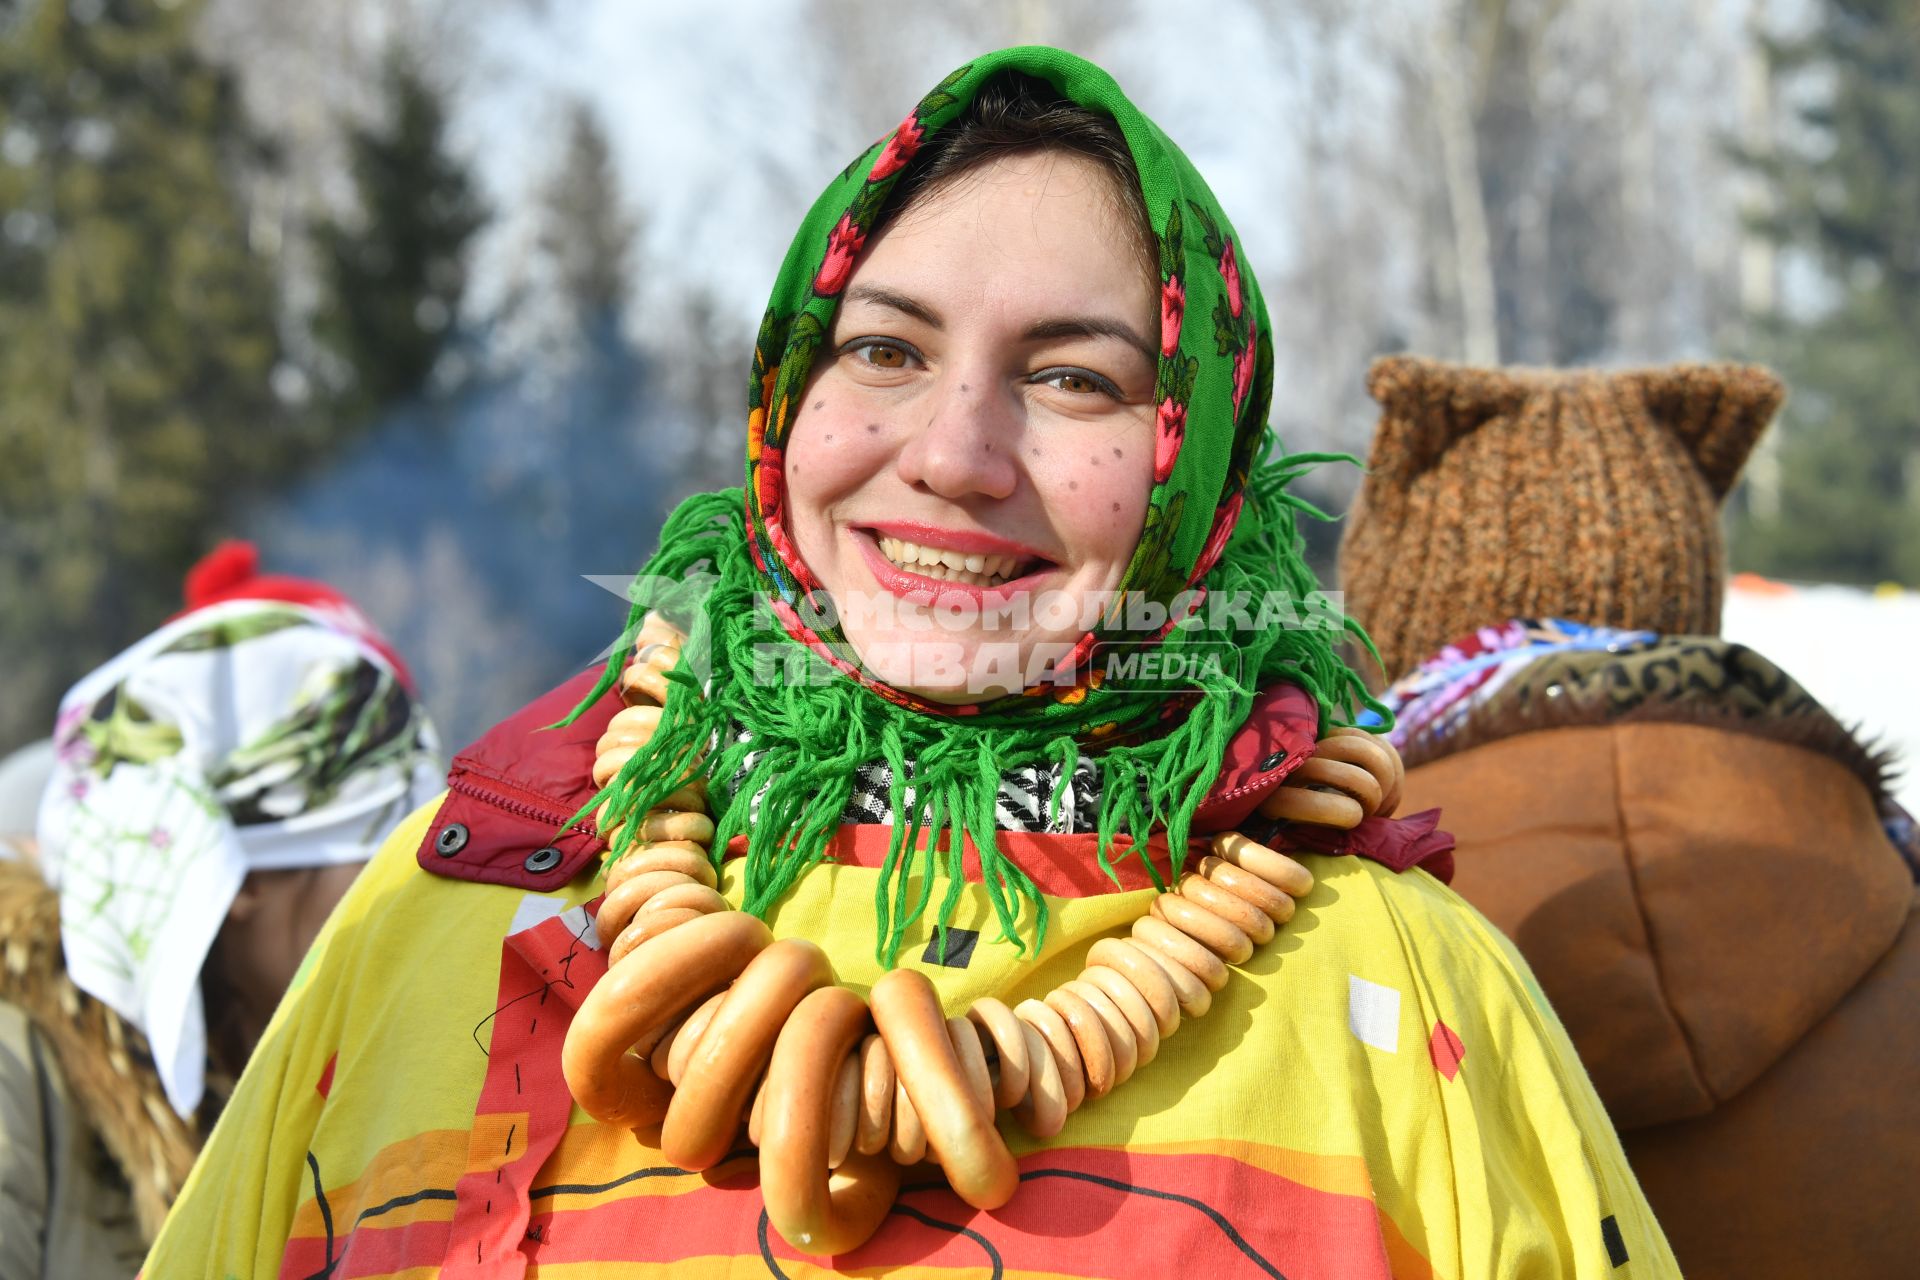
1273, 762
543, 859
451, 840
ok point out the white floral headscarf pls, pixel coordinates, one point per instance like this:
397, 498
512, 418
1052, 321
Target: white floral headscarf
247, 735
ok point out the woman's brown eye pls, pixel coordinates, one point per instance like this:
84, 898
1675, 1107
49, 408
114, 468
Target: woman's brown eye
886, 357
1075, 383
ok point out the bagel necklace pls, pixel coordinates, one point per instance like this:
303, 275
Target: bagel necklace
704, 1021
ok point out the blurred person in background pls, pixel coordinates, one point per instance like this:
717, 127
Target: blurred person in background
209, 795
1701, 863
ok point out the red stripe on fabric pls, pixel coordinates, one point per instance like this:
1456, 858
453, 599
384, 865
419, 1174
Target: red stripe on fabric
524, 1087
1062, 866
371, 1250
1079, 1212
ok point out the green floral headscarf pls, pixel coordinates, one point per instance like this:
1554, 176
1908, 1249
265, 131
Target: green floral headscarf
1220, 520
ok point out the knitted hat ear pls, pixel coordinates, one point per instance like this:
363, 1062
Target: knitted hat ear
1428, 405
1718, 412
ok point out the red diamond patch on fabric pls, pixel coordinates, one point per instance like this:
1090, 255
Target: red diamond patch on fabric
1446, 1049
324, 1085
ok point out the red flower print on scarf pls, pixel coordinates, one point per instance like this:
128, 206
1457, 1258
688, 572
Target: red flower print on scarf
1173, 309
1243, 368
843, 246
1223, 521
1230, 272
1169, 430
900, 148
767, 484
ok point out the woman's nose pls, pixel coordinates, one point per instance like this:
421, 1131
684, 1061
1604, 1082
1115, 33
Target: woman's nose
966, 446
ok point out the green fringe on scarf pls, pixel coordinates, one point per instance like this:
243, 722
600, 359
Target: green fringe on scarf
813, 736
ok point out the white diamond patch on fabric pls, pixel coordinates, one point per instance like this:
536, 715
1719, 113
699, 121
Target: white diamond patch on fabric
1373, 1011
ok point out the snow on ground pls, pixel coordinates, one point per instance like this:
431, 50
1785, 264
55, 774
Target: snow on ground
1852, 648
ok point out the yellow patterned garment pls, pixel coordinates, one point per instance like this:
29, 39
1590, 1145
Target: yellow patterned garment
1380, 1091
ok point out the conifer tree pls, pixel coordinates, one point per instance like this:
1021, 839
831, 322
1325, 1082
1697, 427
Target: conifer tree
137, 332
395, 270
1847, 506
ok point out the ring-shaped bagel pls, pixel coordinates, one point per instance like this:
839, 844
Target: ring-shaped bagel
670, 1054
972, 1056
630, 729
656, 630
1145, 974
1364, 750
1349, 779
1061, 1047
1379, 740
1043, 1111
1222, 937
643, 684
647, 926
978, 1165
1319, 808
1132, 1006
1243, 884
908, 1143
684, 856
611, 1084
1229, 906
997, 1023
876, 1097
622, 904
609, 762
669, 824
817, 1211
1089, 1037
845, 1116
1194, 996
689, 799
711, 1097
1119, 1031
692, 894
1183, 950
1276, 868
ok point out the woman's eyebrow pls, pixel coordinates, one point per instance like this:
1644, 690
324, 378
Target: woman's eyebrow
895, 302
1092, 327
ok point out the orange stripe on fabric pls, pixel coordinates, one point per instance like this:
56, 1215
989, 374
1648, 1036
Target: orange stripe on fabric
393, 1172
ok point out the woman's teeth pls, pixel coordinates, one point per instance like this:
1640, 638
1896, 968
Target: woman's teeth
950, 566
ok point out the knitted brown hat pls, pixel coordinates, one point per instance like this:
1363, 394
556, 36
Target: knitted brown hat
1507, 493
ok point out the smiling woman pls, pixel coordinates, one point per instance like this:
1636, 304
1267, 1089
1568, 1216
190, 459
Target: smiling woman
990, 736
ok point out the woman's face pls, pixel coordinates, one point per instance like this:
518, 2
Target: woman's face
970, 468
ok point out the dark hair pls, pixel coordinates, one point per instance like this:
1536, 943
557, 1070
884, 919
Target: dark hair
1012, 113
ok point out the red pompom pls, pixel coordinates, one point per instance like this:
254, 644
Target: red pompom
220, 571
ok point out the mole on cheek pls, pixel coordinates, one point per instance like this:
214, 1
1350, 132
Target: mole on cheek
873, 428
829, 435
1117, 453
1094, 458
1073, 484
819, 404
1116, 506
